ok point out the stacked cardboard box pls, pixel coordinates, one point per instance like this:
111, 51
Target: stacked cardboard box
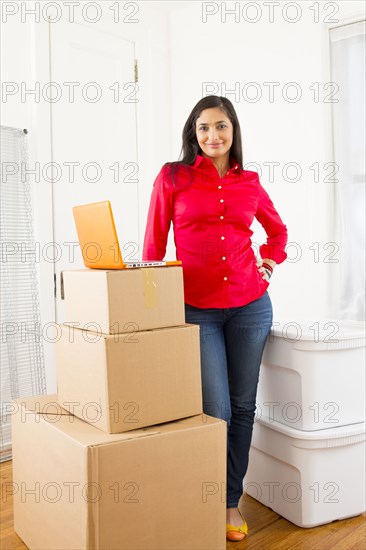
123, 457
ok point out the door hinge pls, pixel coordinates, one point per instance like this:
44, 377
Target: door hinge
136, 70
54, 285
62, 285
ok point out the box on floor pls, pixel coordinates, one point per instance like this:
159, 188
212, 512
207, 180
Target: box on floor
155, 488
127, 381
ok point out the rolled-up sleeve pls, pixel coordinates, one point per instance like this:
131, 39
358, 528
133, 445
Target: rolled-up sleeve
159, 217
276, 230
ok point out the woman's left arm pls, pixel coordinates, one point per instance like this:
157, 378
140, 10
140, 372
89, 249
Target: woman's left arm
273, 252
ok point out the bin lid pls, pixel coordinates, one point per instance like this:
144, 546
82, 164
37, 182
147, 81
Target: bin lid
270, 439
319, 330
339, 432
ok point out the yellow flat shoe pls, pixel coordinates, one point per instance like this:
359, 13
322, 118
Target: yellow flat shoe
235, 533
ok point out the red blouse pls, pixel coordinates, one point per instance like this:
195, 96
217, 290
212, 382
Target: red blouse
211, 221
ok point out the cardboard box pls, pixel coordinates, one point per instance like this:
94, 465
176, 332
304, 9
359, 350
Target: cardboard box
127, 300
127, 381
77, 488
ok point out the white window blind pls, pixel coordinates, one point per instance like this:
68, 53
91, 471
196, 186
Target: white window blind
348, 71
22, 361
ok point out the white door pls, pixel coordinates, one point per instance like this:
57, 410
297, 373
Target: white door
94, 154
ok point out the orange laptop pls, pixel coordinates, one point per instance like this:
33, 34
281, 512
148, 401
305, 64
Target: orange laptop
98, 239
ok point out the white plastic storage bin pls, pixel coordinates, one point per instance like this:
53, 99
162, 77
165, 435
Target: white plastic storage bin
309, 478
313, 374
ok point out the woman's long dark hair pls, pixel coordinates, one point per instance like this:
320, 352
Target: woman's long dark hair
190, 147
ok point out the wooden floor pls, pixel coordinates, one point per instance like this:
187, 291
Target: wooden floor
267, 530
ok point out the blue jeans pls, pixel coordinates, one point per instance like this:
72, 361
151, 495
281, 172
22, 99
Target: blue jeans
232, 343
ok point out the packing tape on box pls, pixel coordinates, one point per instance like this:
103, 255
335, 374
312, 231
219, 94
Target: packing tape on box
149, 283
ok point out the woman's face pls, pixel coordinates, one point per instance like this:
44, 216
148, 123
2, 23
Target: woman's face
214, 133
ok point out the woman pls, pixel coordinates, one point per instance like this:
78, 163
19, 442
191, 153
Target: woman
212, 202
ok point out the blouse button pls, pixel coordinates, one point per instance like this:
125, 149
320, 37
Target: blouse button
221, 200
225, 278
219, 187
221, 217
224, 257
223, 238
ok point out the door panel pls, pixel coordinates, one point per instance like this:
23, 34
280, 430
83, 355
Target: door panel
94, 153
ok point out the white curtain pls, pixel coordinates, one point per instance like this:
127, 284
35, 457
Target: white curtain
22, 362
348, 72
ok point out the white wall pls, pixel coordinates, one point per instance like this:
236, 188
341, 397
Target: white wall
231, 54
25, 59
23, 63
177, 53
